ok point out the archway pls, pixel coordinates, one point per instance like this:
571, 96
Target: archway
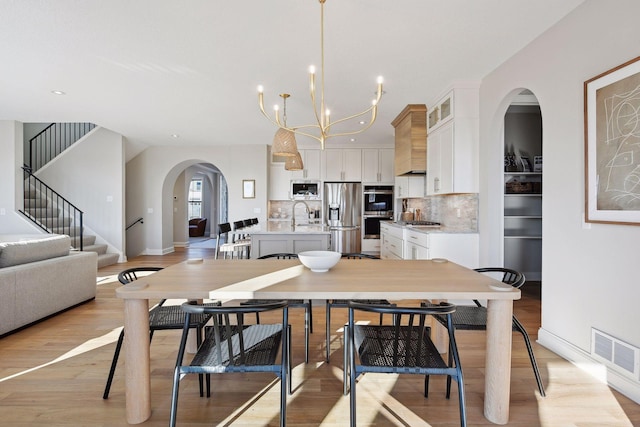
177, 203
522, 201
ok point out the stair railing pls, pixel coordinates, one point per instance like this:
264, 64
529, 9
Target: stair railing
68, 218
53, 140
139, 220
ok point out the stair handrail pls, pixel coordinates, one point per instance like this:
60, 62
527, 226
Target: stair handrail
75, 227
53, 140
139, 220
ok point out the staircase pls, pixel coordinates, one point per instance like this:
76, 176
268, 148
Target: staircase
43, 205
52, 219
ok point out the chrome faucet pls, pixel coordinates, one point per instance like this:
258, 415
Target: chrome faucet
293, 212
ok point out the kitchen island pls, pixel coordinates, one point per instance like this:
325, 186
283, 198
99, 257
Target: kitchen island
281, 237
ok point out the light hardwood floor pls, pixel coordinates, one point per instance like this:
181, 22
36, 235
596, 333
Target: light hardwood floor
53, 374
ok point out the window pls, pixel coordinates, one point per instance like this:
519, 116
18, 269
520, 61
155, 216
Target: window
195, 198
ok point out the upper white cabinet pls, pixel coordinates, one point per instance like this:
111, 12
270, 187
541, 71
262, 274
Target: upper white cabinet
452, 144
440, 113
409, 186
343, 164
377, 165
279, 182
311, 165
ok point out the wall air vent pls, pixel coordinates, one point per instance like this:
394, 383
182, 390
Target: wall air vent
616, 354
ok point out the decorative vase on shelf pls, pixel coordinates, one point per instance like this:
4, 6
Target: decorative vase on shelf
510, 163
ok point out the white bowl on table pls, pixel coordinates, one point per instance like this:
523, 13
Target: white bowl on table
319, 261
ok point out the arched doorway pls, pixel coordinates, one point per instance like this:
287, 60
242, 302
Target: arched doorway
199, 191
522, 213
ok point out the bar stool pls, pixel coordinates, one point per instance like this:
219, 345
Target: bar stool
229, 247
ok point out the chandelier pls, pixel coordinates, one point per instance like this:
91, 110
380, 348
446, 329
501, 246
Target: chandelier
321, 129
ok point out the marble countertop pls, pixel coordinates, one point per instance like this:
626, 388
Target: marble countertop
431, 230
284, 227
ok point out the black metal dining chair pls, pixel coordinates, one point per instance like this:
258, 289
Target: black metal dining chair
343, 303
161, 317
402, 348
232, 346
295, 303
474, 317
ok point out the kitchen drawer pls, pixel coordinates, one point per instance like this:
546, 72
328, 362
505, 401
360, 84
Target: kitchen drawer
391, 247
413, 251
391, 230
416, 237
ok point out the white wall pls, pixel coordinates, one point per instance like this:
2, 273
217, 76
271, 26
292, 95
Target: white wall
90, 175
589, 275
150, 183
180, 221
11, 155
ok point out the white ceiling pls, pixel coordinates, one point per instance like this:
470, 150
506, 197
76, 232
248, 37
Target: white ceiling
152, 68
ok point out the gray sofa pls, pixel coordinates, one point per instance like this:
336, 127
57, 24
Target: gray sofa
40, 276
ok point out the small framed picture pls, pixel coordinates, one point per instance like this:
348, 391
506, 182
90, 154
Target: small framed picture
248, 188
526, 165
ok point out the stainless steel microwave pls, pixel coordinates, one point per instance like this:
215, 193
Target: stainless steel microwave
305, 190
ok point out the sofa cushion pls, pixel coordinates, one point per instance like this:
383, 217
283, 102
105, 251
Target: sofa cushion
30, 248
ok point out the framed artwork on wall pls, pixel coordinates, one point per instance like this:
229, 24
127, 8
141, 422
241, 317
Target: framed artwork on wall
612, 145
248, 188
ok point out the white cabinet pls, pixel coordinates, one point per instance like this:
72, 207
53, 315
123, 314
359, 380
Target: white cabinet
407, 243
279, 182
441, 113
409, 186
461, 248
343, 164
391, 241
452, 144
280, 178
311, 165
416, 245
377, 165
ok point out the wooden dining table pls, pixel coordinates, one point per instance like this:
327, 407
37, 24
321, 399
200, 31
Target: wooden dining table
198, 279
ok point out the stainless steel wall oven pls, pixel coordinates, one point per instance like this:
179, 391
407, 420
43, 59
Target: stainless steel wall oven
377, 203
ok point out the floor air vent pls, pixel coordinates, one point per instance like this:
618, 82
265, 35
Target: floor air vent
617, 354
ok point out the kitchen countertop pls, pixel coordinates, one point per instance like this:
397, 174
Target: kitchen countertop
284, 227
430, 229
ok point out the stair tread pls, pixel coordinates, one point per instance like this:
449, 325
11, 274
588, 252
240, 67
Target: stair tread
99, 248
107, 259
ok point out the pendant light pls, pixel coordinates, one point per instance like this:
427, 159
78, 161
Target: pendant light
284, 141
294, 163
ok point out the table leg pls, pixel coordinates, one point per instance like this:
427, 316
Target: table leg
498, 361
137, 371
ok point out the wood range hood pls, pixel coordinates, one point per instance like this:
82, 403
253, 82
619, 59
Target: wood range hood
411, 140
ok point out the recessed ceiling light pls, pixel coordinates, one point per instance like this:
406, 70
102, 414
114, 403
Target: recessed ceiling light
362, 122
58, 92
175, 135
353, 140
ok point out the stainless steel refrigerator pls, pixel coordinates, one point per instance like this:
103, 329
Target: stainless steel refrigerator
343, 213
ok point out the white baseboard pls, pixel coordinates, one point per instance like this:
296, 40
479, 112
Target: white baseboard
584, 361
159, 251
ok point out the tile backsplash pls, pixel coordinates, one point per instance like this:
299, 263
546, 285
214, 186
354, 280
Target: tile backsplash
459, 211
